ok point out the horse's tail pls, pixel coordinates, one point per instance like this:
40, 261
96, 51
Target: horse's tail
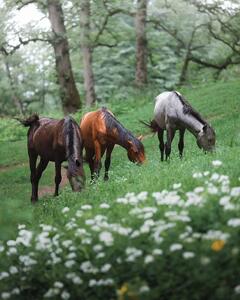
33, 119
152, 124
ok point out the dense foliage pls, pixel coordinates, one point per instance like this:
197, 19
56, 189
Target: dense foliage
187, 42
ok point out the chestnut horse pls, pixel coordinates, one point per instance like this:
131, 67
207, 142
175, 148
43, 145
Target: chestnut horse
57, 141
100, 132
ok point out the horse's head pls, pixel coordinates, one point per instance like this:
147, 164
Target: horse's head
136, 151
206, 138
75, 174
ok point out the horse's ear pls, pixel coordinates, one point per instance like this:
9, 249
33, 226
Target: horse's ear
140, 137
133, 147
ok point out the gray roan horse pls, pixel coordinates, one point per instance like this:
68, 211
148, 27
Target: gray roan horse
57, 141
172, 112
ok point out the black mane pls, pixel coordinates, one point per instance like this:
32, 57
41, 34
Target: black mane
189, 110
124, 134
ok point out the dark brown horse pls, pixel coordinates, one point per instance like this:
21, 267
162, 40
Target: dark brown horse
57, 141
101, 131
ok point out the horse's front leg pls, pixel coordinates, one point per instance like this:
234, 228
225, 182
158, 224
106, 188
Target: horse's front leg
161, 142
97, 159
181, 142
32, 163
58, 177
108, 161
170, 136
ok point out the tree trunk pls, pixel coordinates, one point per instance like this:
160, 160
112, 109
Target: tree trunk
87, 53
141, 43
68, 92
183, 75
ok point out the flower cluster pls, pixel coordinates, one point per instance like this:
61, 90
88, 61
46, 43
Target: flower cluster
137, 241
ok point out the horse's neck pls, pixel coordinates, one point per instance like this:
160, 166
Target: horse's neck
121, 141
192, 124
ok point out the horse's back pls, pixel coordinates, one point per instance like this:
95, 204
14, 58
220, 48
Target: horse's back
167, 106
47, 139
92, 127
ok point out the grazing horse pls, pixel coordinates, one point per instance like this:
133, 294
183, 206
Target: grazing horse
57, 141
172, 112
100, 132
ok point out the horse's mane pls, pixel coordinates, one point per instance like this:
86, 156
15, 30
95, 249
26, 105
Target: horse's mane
124, 134
68, 129
188, 109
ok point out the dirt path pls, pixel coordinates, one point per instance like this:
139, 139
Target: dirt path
45, 189
50, 189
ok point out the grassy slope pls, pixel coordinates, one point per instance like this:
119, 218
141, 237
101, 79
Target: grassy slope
219, 103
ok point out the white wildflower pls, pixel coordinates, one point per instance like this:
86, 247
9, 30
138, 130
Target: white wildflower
199, 189
157, 252
15, 291
3, 275
106, 237
235, 222
86, 207
188, 255
25, 237
177, 186
65, 295
65, 210
104, 205
13, 270
224, 200
235, 192
11, 243
58, 284
51, 293
216, 163
105, 268
205, 260
2, 248
144, 289
5, 295
67, 243
237, 289
148, 259
100, 255
11, 251
97, 248
69, 263
197, 175
175, 247
92, 282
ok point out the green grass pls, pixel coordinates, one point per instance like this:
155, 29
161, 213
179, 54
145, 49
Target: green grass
218, 103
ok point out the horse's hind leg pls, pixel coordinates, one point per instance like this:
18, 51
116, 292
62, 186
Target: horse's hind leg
181, 142
170, 136
32, 163
58, 177
161, 142
40, 168
108, 161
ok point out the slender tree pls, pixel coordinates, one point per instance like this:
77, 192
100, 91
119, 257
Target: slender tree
87, 52
141, 43
68, 90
